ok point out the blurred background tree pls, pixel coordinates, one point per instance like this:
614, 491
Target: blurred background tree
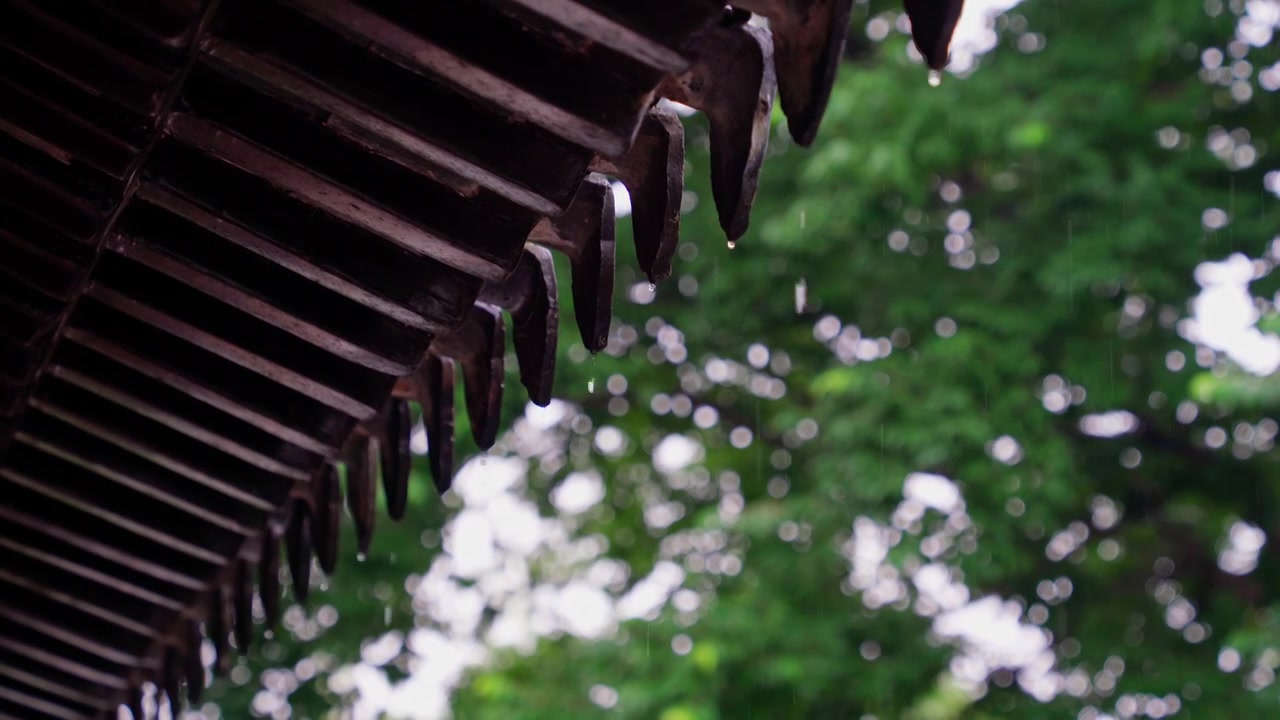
975, 421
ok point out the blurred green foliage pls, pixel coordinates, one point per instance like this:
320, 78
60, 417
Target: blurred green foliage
1069, 272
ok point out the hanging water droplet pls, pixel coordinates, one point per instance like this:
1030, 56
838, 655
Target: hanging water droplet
653, 287
935, 78
361, 557
733, 244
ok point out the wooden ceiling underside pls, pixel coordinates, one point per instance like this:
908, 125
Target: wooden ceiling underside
237, 237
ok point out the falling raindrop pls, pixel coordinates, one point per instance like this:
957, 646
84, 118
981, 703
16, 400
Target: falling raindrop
802, 296
386, 615
733, 244
591, 386
935, 78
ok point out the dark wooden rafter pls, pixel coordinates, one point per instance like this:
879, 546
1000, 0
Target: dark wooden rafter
237, 237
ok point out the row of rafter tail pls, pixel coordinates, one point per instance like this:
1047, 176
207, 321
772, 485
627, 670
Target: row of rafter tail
238, 237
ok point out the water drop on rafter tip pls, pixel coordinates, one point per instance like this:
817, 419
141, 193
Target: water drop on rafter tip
935, 78
653, 287
733, 244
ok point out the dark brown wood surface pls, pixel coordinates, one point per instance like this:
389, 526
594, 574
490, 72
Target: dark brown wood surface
237, 236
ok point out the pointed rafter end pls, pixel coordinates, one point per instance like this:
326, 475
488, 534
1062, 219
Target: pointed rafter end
433, 386
652, 170
529, 295
362, 489
808, 41
269, 572
393, 440
327, 524
586, 234
242, 605
933, 23
299, 548
732, 81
